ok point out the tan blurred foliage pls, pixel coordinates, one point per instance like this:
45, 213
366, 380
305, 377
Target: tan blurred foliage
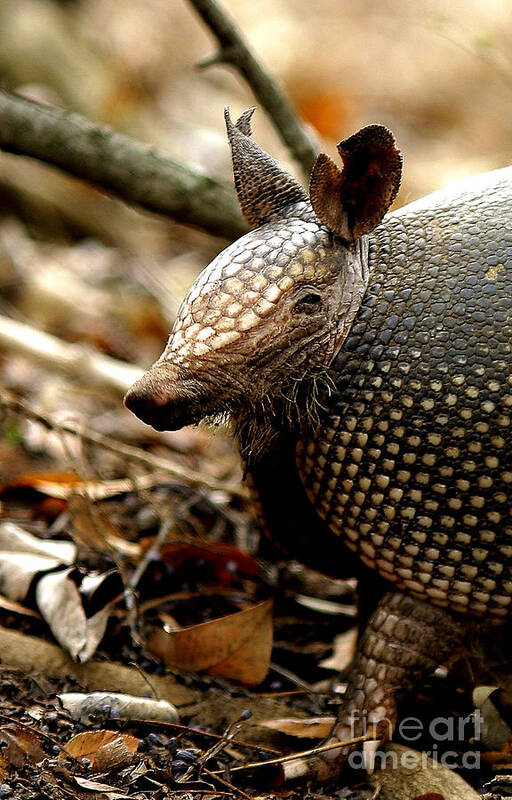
439, 74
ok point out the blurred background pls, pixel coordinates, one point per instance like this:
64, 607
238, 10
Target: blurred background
85, 267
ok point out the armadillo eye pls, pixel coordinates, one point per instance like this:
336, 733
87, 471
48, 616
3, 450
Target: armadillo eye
308, 304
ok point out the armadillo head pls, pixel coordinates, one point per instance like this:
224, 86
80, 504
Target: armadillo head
268, 314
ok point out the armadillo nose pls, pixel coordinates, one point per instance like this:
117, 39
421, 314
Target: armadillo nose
154, 398
140, 403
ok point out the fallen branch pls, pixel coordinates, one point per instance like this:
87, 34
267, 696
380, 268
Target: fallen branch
75, 360
134, 171
11, 402
234, 50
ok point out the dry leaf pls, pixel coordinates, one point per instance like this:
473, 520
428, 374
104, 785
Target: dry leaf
93, 529
62, 485
220, 562
14, 539
309, 728
344, 648
95, 745
113, 755
107, 791
17, 608
43, 482
24, 556
19, 745
18, 570
114, 704
236, 646
66, 602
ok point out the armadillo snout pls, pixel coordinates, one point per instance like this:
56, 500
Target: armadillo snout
159, 399
149, 408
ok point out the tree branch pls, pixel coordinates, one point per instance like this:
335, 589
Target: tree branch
75, 360
233, 50
134, 171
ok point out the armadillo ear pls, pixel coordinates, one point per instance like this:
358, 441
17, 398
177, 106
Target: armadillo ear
352, 201
263, 188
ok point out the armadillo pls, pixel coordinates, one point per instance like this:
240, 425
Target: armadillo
364, 361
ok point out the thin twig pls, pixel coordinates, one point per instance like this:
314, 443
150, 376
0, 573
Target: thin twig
377, 791
323, 748
234, 50
134, 171
289, 675
227, 737
153, 552
194, 732
12, 402
145, 677
231, 786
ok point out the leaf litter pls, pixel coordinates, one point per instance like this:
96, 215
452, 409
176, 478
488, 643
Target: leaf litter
159, 578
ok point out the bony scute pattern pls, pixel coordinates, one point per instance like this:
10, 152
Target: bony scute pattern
412, 464
246, 281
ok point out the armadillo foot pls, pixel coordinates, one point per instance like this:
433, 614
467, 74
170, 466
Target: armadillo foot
404, 642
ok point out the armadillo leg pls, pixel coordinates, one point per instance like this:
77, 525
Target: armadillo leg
405, 641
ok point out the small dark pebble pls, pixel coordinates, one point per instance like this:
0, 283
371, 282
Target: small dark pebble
5, 790
86, 761
153, 738
179, 766
55, 749
186, 755
246, 714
